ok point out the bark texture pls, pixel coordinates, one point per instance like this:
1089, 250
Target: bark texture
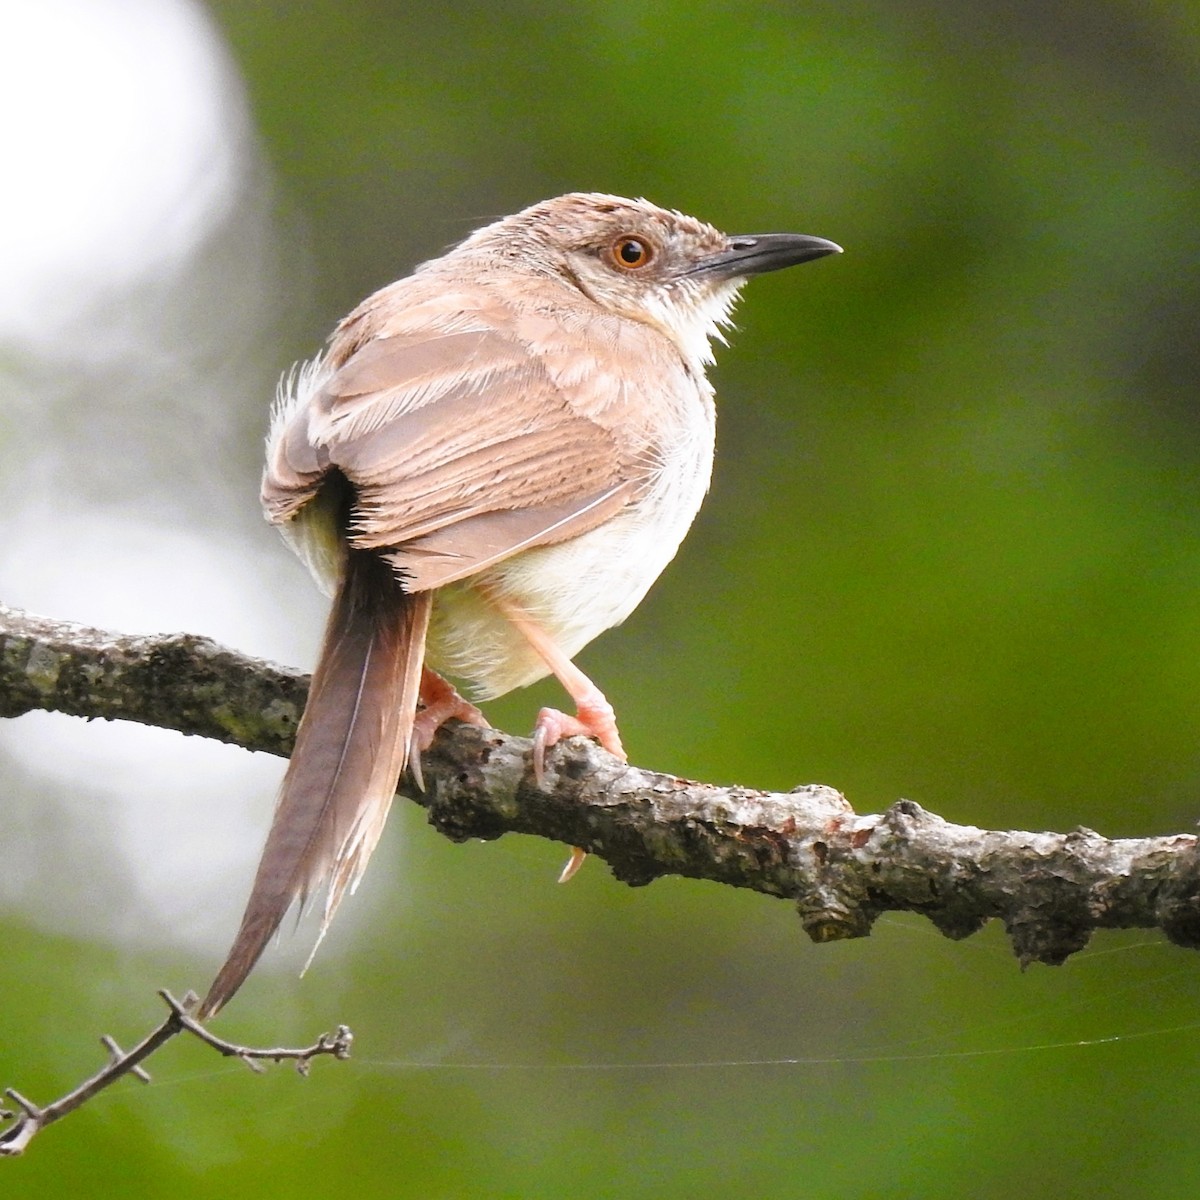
840, 868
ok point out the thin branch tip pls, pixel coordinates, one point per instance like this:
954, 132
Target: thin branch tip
31, 1118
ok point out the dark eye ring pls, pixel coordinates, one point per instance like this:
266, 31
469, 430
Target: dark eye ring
631, 253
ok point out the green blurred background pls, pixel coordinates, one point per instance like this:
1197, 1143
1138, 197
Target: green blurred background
950, 554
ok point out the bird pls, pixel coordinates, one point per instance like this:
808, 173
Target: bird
490, 464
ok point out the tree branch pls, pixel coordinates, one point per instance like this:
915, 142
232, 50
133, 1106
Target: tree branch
32, 1119
840, 868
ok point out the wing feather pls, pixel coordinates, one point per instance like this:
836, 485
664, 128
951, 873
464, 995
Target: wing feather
460, 448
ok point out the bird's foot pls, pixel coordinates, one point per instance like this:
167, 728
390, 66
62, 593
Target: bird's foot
594, 718
440, 703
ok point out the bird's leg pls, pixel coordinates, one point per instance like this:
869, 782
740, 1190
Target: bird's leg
440, 702
593, 717
593, 713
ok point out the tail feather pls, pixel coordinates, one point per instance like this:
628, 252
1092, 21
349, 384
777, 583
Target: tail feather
351, 747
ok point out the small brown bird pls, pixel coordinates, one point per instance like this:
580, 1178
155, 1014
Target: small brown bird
490, 465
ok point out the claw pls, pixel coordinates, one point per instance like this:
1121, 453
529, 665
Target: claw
572, 865
414, 761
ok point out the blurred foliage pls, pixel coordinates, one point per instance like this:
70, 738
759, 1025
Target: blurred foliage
950, 553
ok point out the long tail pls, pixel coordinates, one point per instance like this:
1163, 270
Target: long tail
351, 746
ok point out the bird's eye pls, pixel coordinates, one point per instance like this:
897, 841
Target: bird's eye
631, 253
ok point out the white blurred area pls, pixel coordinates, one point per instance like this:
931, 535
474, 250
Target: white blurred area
141, 293
124, 131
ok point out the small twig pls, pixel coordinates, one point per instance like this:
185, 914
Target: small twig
31, 1118
336, 1044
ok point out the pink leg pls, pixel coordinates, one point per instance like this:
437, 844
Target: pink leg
440, 703
593, 714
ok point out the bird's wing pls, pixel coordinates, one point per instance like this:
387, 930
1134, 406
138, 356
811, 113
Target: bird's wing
462, 451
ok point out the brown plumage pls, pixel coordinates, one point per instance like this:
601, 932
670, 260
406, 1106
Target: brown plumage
350, 749
490, 466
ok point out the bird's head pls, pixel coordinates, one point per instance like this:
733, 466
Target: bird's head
647, 263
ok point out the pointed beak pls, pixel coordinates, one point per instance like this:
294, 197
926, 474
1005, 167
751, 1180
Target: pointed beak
757, 253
